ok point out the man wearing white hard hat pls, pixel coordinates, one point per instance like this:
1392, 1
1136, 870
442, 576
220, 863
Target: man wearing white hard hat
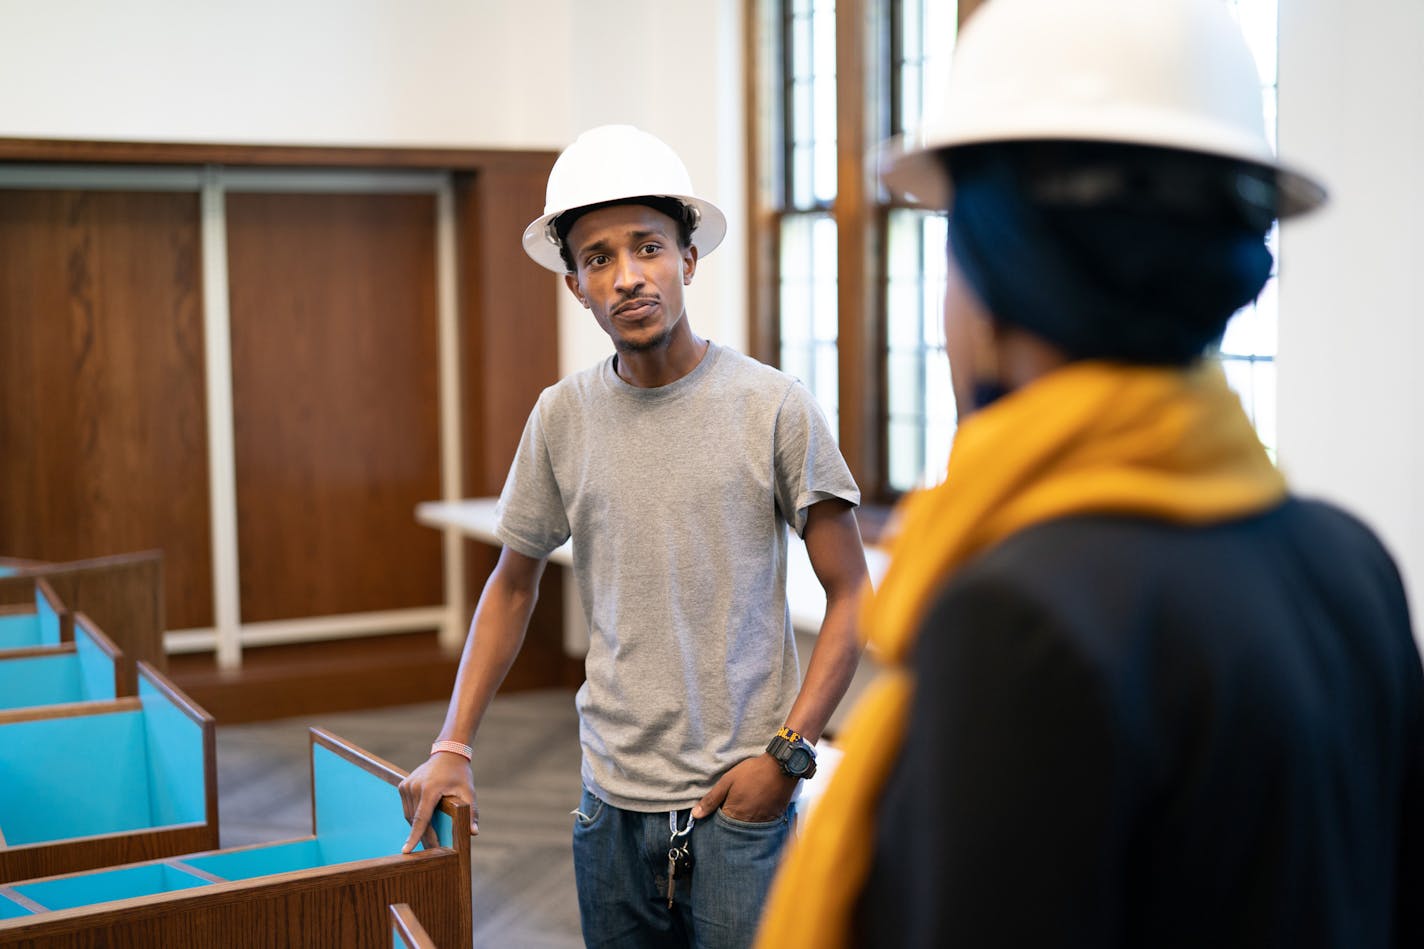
676, 466
1139, 693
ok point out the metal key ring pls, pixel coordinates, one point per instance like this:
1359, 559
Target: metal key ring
672, 824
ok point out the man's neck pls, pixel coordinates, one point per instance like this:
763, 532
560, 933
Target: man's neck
662, 365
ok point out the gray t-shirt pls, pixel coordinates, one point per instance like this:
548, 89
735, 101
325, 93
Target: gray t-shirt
677, 499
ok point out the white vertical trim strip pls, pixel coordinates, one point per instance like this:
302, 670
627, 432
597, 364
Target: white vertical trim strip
222, 473
311, 629
452, 630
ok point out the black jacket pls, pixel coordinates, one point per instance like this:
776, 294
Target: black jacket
1128, 733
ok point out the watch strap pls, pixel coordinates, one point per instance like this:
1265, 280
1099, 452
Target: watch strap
783, 746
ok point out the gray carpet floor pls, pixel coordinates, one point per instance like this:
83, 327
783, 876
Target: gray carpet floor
527, 778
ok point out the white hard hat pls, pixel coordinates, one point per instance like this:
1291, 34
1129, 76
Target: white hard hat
1168, 73
612, 162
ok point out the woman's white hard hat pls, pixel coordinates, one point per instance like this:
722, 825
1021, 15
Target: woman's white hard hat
610, 163
1173, 74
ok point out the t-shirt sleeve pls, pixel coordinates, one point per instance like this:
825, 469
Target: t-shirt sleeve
530, 517
809, 465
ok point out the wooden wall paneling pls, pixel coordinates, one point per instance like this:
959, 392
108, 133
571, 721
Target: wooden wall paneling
509, 354
122, 594
91, 241
511, 314
336, 408
103, 431
62, 151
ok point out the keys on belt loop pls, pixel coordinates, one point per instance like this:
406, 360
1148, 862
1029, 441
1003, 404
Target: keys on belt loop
679, 858
672, 825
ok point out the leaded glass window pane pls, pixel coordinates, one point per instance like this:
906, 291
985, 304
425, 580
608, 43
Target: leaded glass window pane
920, 403
810, 307
1248, 348
921, 409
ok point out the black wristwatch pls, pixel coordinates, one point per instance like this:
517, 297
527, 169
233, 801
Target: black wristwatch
794, 753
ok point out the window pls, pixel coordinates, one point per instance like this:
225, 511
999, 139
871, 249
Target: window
856, 280
806, 259
1248, 350
919, 408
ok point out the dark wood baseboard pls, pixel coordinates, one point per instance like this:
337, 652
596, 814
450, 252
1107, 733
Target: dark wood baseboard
344, 675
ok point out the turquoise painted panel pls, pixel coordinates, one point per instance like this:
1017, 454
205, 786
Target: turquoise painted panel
260, 861
9, 909
18, 630
40, 680
358, 815
101, 887
8, 571
96, 667
48, 620
40, 628
443, 825
175, 759
73, 777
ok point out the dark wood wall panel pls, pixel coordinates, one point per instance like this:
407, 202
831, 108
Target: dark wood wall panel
103, 431
509, 354
103, 437
511, 341
336, 405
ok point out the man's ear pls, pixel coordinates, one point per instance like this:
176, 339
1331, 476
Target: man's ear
571, 281
689, 264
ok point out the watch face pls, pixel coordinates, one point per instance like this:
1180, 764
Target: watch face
799, 761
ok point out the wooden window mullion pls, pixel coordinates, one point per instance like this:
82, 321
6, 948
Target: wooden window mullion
859, 353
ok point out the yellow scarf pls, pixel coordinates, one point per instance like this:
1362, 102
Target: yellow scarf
1091, 437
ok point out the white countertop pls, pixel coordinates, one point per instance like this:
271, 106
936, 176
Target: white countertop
475, 518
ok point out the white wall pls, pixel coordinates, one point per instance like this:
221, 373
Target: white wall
1352, 284
468, 73
674, 69
533, 73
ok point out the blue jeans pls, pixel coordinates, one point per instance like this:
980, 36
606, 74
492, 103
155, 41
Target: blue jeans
621, 866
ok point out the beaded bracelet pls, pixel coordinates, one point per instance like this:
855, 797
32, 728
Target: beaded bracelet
455, 748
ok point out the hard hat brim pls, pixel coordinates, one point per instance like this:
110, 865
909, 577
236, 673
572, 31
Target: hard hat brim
711, 229
912, 167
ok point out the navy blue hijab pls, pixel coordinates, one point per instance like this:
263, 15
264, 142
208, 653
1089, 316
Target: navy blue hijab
1112, 252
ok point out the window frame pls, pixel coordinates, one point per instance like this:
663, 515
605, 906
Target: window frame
867, 100
864, 67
